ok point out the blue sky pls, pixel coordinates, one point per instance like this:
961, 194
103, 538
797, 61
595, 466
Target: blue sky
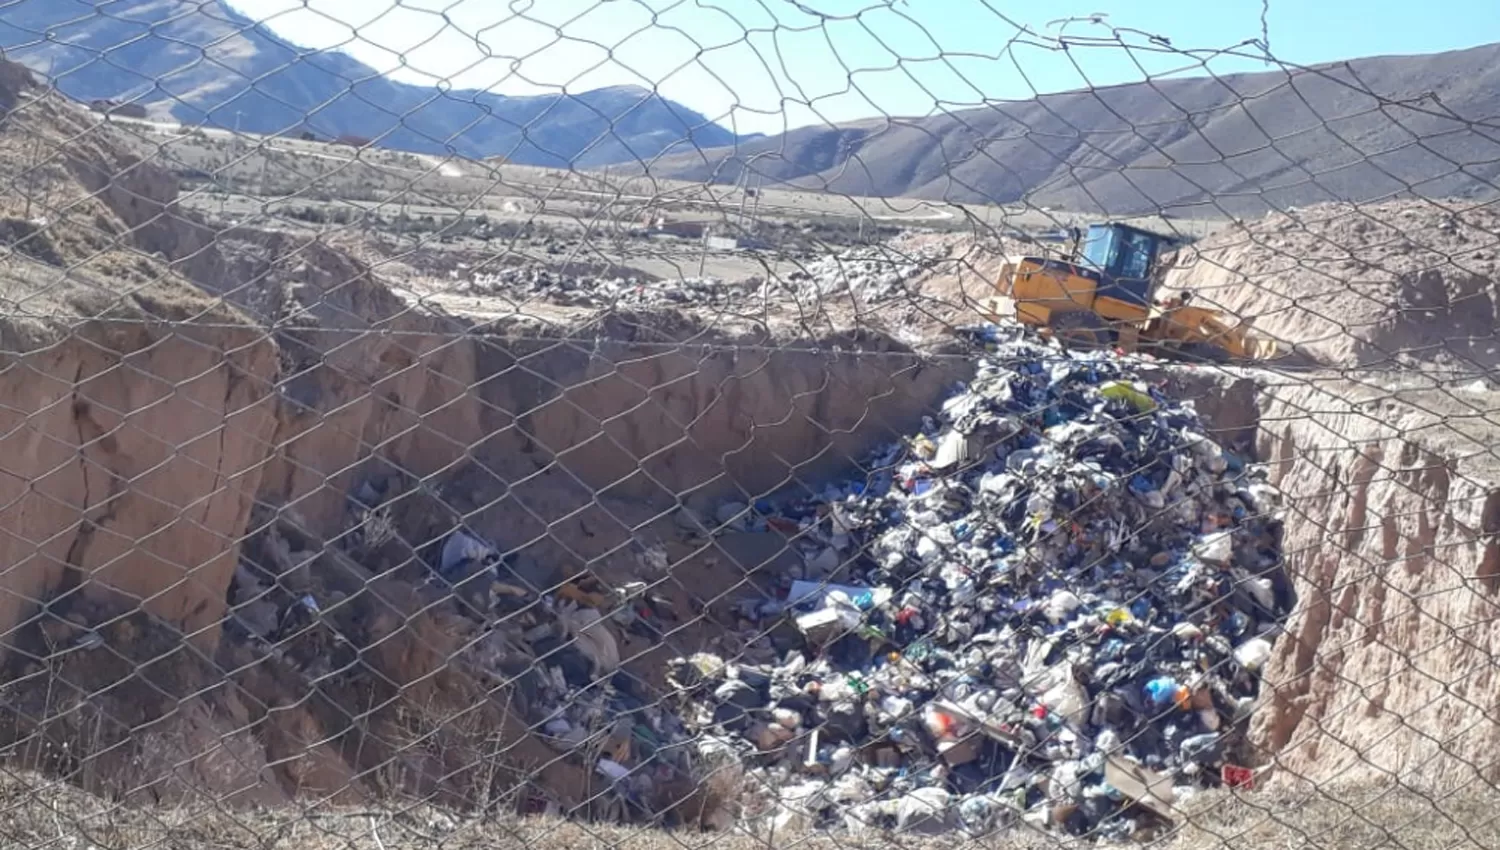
768, 65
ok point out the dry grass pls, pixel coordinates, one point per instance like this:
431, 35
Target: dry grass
36, 813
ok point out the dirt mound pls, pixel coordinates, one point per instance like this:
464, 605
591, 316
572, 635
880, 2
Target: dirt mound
1388, 285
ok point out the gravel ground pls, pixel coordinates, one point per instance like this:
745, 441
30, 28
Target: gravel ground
35, 813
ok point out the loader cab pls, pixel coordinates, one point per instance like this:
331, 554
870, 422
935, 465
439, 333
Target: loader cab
1125, 258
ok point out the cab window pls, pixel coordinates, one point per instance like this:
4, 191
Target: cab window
1133, 259
1099, 247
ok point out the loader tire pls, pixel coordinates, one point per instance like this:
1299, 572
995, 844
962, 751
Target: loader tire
1080, 329
1204, 352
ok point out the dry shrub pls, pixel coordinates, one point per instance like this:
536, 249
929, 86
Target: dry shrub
35, 813
139, 716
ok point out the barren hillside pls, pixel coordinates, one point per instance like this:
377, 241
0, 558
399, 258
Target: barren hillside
203, 62
1207, 146
1204, 146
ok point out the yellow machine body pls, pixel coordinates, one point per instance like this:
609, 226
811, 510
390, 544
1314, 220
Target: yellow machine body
1041, 288
1108, 299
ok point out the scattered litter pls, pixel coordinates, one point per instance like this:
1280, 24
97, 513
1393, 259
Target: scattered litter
1235, 776
873, 274
593, 638
462, 548
542, 283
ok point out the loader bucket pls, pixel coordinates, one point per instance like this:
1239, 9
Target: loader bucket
1258, 348
1202, 326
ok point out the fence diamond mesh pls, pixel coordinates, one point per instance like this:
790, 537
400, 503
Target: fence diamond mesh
394, 464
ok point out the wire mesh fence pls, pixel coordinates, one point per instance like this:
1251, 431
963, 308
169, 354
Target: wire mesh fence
394, 466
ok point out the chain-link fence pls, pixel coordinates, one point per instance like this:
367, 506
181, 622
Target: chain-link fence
399, 466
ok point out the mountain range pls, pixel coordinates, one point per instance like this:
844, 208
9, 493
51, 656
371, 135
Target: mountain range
1354, 131
1205, 145
202, 62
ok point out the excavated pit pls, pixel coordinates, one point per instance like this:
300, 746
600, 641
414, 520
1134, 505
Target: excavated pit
251, 381
188, 412
572, 455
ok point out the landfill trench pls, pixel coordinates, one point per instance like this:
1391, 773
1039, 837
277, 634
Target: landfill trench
695, 586
654, 571
888, 591
720, 581
1014, 587
440, 530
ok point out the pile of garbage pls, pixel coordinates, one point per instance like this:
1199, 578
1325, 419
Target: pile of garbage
539, 282
872, 274
1051, 606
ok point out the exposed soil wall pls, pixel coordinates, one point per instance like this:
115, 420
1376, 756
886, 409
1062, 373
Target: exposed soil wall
136, 427
1392, 501
1400, 283
649, 419
1393, 507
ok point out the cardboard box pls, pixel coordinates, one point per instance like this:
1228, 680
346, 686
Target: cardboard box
1151, 790
820, 627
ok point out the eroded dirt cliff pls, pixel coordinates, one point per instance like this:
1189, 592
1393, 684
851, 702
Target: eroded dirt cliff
1393, 507
138, 407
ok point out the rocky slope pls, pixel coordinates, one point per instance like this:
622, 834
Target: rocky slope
204, 62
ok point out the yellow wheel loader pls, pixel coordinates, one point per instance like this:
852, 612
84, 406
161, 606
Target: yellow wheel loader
1105, 297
